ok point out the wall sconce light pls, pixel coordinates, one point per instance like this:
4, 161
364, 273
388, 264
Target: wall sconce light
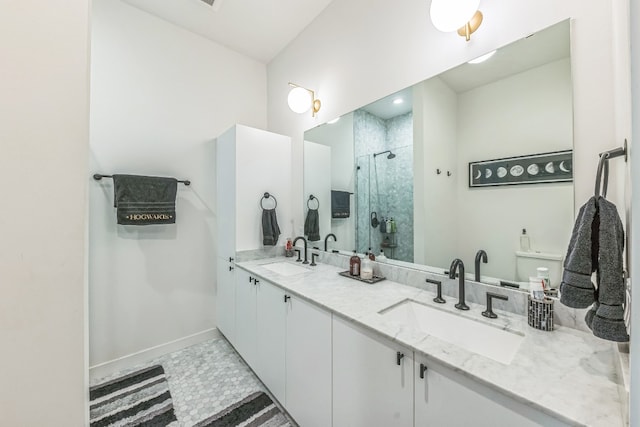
460, 15
301, 99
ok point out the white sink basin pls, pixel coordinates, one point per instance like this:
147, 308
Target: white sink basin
494, 343
285, 268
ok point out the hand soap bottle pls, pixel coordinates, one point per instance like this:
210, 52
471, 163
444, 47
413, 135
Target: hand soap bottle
525, 243
354, 264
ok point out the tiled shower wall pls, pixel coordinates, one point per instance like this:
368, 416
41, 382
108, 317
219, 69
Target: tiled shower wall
384, 186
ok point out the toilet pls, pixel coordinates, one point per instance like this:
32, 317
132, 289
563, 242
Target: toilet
528, 262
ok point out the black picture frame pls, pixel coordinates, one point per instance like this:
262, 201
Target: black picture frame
541, 168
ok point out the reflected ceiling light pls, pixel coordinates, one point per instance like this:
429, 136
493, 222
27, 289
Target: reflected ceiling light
460, 15
333, 121
398, 101
301, 99
482, 58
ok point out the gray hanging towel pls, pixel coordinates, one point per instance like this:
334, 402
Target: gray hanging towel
597, 244
576, 289
270, 228
312, 225
145, 200
340, 204
606, 317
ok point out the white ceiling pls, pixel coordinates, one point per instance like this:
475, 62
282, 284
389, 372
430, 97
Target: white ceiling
255, 28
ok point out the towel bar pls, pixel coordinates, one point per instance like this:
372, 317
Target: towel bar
312, 197
98, 177
267, 196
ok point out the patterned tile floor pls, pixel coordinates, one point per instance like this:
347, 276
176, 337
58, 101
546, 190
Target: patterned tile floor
204, 379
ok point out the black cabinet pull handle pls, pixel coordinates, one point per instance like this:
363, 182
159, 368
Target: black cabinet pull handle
423, 369
399, 357
286, 298
251, 279
230, 259
256, 281
230, 268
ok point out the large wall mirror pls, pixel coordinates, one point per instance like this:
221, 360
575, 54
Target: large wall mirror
461, 162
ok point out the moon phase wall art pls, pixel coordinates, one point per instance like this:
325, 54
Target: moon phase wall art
530, 169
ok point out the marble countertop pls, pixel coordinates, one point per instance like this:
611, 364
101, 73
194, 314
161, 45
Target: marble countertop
565, 373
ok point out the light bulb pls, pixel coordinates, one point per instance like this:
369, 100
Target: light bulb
449, 15
299, 100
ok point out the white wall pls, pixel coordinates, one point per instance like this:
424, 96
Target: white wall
526, 113
44, 129
159, 97
435, 147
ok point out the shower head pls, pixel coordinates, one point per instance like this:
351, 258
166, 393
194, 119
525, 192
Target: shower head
390, 156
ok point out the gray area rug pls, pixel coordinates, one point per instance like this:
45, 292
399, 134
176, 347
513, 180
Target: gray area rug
255, 410
141, 398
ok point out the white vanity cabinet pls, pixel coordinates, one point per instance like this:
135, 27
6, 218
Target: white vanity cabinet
372, 379
446, 398
308, 363
287, 342
245, 315
249, 162
270, 341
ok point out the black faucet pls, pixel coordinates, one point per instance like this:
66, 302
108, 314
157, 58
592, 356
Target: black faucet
489, 311
481, 255
306, 260
326, 240
457, 264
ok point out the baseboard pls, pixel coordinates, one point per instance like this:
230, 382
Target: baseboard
105, 369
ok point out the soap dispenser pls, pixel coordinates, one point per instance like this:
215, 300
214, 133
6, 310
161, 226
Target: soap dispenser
525, 243
354, 264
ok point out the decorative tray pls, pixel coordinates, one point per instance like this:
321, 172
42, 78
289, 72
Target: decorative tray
375, 278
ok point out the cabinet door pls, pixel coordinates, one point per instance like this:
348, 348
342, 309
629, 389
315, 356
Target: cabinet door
270, 363
226, 193
445, 398
226, 299
371, 387
308, 388
246, 317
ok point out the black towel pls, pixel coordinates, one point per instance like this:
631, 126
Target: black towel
597, 244
270, 228
312, 225
340, 204
145, 200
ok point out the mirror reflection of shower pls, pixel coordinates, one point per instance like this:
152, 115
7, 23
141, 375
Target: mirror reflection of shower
390, 156
384, 183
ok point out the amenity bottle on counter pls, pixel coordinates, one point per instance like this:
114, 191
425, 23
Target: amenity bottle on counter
367, 269
354, 264
372, 257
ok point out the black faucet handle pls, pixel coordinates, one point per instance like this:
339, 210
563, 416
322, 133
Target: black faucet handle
313, 259
489, 311
438, 284
298, 252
